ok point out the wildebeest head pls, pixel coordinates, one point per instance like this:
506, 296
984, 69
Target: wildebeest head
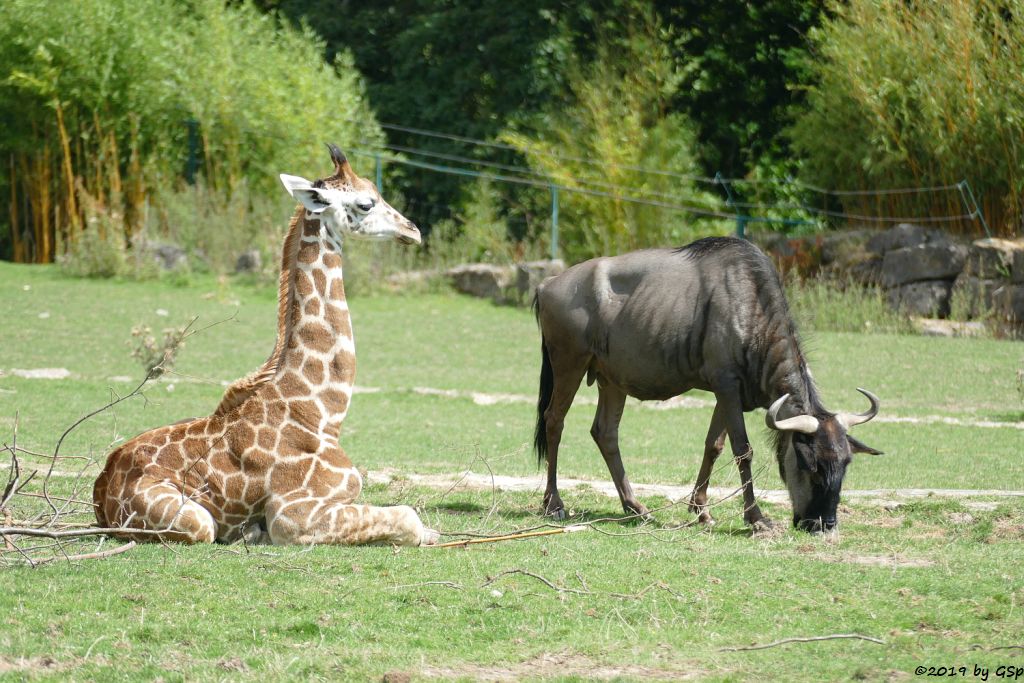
814, 451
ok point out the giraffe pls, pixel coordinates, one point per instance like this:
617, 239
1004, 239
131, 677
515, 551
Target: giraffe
266, 465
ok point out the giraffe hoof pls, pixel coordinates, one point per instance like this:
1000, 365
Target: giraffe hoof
429, 537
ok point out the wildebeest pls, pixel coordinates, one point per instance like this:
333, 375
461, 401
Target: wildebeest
712, 315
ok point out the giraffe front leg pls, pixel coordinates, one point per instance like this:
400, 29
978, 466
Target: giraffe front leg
304, 521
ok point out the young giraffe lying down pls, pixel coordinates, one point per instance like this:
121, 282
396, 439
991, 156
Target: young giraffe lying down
266, 464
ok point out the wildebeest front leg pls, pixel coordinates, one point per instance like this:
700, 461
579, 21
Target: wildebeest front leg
743, 454
713, 446
605, 430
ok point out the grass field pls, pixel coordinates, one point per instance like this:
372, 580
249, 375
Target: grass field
938, 580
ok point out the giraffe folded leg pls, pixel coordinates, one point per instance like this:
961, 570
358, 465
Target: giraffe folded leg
158, 504
304, 521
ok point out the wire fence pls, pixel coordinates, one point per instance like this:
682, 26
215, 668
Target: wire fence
735, 207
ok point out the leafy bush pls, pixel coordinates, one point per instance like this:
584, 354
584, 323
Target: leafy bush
104, 109
910, 94
617, 116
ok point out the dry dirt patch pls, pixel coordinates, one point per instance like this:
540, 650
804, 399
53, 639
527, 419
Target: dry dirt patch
892, 561
558, 665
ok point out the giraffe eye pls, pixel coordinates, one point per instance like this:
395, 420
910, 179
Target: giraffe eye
364, 204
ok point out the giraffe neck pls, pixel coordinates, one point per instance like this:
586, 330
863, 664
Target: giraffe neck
317, 349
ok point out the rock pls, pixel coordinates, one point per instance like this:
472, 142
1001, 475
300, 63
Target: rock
250, 261
532, 273
929, 298
904, 235
993, 258
975, 294
840, 245
483, 280
934, 327
167, 256
923, 262
1009, 300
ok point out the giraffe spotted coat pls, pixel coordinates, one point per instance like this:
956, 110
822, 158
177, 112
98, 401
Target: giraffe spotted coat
267, 464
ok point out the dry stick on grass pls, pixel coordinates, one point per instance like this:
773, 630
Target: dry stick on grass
812, 639
576, 591
88, 556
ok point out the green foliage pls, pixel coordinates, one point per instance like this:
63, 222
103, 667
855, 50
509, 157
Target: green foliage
98, 252
617, 119
214, 227
103, 109
919, 94
740, 64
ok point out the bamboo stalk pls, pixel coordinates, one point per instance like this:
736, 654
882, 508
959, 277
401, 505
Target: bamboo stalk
74, 224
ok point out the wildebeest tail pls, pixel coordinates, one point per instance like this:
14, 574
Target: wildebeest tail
547, 385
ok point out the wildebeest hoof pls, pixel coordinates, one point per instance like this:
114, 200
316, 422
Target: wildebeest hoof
557, 513
429, 536
764, 528
639, 512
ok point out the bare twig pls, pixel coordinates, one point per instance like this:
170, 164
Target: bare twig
510, 537
90, 556
540, 578
812, 639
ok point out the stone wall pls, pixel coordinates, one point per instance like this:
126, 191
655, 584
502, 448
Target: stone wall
920, 269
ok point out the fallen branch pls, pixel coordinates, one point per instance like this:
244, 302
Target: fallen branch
812, 639
509, 537
76, 533
540, 578
89, 556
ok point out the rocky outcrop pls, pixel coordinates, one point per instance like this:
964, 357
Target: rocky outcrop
511, 284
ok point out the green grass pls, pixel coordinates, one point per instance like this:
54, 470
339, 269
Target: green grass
938, 581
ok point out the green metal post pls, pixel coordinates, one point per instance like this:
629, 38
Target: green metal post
972, 206
741, 226
554, 222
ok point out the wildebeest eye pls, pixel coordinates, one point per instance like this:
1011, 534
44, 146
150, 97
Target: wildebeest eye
364, 204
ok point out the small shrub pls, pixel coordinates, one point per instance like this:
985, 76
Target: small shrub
156, 357
97, 252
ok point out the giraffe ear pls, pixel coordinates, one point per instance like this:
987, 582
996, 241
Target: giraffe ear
303, 190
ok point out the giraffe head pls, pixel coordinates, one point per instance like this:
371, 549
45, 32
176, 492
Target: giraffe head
349, 205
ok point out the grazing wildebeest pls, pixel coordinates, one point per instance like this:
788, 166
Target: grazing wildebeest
712, 315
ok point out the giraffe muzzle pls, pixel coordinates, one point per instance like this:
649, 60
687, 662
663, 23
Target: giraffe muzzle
408, 234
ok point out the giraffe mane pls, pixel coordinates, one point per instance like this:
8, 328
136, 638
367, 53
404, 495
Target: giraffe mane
242, 389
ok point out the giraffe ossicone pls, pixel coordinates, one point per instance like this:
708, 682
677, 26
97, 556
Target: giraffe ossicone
267, 465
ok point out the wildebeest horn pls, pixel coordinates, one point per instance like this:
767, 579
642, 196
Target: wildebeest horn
852, 420
807, 424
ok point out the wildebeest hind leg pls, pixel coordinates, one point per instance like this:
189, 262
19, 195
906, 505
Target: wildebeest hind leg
605, 431
567, 380
713, 446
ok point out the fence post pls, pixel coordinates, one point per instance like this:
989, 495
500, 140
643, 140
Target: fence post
741, 220
554, 222
192, 163
972, 206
